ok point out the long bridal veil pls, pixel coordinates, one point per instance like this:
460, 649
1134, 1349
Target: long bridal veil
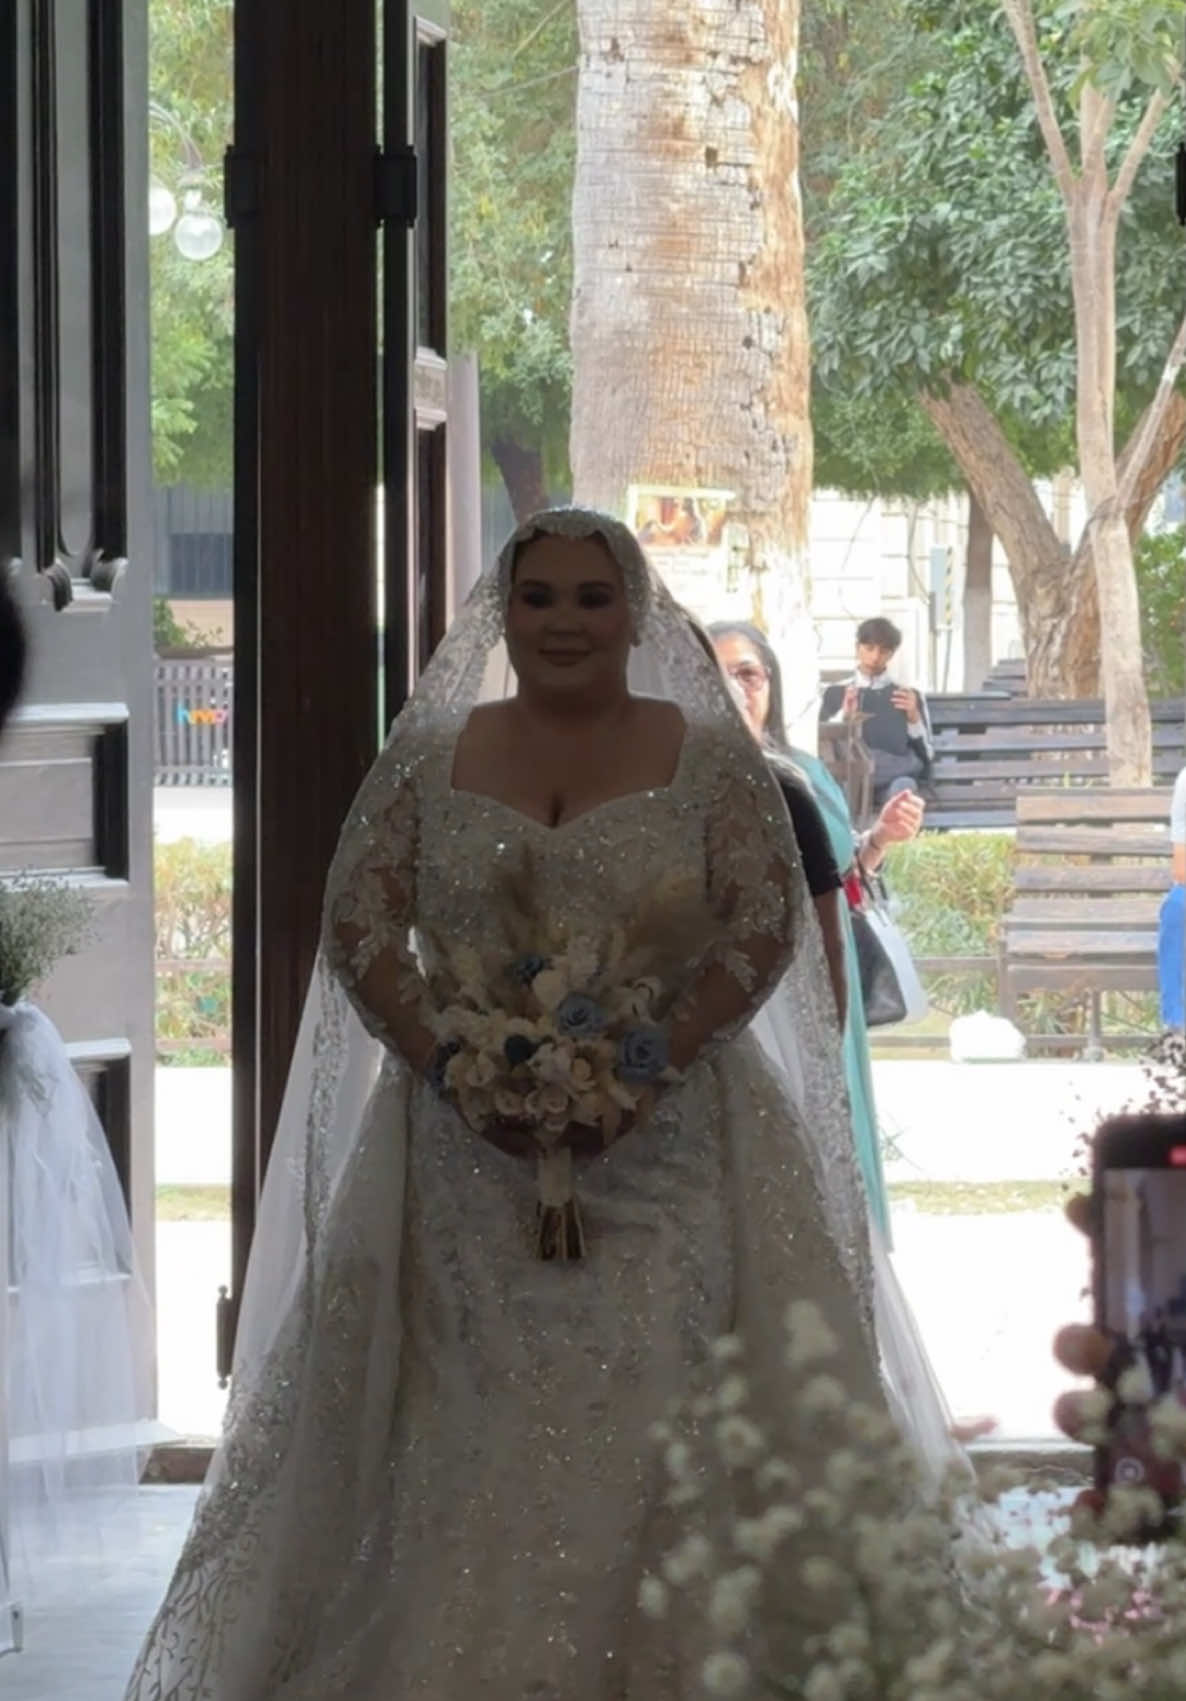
336, 1062
79, 1350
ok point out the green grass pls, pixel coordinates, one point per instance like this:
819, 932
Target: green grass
192, 1204
981, 1198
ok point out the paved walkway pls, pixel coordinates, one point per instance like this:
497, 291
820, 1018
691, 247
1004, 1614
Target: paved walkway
989, 1290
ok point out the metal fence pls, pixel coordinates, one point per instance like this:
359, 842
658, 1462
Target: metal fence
193, 721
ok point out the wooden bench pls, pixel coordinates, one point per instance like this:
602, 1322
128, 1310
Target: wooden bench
991, 749
1092, 873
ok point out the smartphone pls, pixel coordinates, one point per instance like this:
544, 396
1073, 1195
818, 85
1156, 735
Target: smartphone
1139, 1284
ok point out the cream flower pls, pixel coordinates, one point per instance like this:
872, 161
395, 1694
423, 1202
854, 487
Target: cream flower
548, 988
1167, 1421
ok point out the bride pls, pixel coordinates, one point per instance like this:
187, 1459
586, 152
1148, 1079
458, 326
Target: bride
436, 1480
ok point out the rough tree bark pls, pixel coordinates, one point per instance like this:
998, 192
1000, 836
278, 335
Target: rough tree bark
1056, 592
689, 331
977, 597
522, 472
1093, 200
1059, 623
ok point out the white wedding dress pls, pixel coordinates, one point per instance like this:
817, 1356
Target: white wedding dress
437, 1482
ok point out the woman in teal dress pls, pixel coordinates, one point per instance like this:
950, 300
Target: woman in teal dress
750, 662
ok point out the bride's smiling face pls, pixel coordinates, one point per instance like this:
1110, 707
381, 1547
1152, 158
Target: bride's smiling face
568, 620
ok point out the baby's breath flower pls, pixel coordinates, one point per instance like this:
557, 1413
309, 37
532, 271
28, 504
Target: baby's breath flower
691, 1559
1167, 1421
844, 1471
825, 1507
653, 1597
661, 1433
731, 1600
725, 1674
1135, 1386
739, 1442
811, 1340
820, 1573
728, 1348
685, 1493
732, 1393
678, 1460
822, 1397
758, 1538
823, 1684
929, 1669
776, 1473
1049, 1669
848, 1640
872, 1427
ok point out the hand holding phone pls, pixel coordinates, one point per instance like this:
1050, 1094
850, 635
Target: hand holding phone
1137, 1348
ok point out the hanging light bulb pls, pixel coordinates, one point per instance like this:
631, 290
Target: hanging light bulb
197, 233
162, 208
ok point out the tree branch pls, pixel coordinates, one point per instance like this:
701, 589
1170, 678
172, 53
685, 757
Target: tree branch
1146, 435
1020, 18
1137, 149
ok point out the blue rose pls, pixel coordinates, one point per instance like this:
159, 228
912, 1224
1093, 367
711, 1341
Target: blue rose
642, 1055
518, 1048
525, 969
580, 1017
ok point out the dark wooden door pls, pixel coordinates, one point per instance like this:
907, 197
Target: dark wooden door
329, 629
415, 341
76, 763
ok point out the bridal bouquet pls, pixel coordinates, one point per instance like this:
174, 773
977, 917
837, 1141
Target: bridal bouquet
557, 1028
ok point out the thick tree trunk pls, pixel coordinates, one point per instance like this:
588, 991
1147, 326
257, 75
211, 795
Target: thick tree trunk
977, 597
1057, 608
1093, 274
689, 334
522, 470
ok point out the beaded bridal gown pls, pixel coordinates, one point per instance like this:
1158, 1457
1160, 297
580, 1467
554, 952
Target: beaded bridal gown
437, 1482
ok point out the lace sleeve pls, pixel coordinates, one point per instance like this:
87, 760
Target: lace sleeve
370, 908
756, 891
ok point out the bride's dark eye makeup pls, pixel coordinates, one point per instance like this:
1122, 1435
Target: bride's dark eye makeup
537, 595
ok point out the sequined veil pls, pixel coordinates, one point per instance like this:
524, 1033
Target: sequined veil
336, 1062
401, 1508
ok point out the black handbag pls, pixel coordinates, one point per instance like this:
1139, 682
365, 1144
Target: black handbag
881, 990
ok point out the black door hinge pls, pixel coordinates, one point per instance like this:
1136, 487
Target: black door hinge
240, 186
396, 187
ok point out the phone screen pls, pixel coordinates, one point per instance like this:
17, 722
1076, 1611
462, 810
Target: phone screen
1141, 1306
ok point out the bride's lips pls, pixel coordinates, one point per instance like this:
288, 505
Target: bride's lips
564, 658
